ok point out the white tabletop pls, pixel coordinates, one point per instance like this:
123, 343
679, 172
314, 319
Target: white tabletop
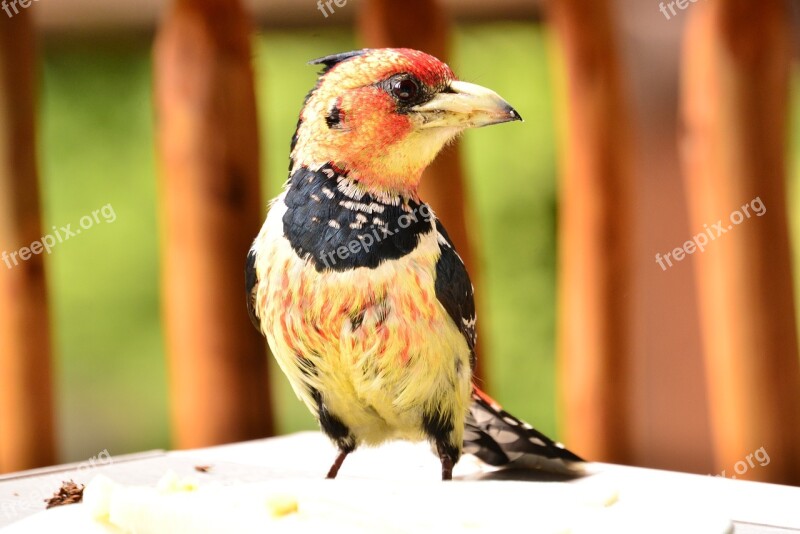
632, 499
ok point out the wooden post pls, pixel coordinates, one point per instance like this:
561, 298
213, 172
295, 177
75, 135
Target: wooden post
26, 386
211, 211
736, 112
423, 25
594, 234
667, 399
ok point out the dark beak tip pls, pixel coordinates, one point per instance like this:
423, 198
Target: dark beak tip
514, 115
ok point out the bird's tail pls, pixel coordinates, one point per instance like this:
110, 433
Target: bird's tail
498, 438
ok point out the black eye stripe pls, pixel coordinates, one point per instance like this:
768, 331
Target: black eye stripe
334, 117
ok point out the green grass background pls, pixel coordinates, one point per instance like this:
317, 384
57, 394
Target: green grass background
97, 147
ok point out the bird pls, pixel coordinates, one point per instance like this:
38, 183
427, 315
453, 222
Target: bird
365, 303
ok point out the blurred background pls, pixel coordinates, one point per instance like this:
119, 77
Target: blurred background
645, 124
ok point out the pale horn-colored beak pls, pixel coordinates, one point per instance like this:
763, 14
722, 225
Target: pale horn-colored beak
465, 105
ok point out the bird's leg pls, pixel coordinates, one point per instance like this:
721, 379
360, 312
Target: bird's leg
440, 430
447, 467
338, 463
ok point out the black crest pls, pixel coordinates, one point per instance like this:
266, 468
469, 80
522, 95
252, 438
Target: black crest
331, 61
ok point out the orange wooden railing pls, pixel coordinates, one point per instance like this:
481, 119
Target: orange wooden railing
595, 259
27, 437
736, 111
211, 211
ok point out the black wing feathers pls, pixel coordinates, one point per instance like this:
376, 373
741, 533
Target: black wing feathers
498, 438
454, 290
251, 286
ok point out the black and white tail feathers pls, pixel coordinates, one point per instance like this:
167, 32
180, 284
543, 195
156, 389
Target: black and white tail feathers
500, 439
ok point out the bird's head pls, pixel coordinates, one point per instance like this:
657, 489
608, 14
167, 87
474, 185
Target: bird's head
382, 115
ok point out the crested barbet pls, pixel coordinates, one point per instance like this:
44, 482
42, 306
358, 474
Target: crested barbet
364, 301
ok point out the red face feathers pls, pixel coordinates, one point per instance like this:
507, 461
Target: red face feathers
382, 115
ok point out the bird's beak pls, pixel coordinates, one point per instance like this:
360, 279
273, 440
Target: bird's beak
465, 105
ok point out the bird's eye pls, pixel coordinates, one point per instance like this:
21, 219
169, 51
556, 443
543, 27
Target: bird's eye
405, 90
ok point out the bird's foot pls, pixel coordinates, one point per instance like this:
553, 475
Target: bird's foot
334, 470
447, 468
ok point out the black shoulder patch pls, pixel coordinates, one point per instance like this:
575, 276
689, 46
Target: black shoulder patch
454, 291
251, 286
334, 59
339, 232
